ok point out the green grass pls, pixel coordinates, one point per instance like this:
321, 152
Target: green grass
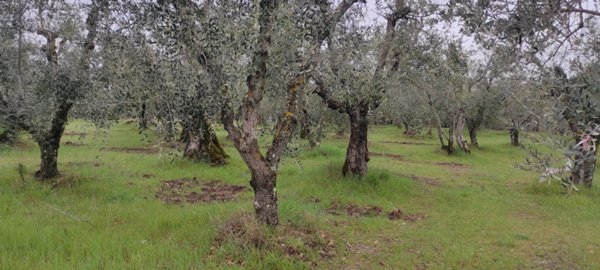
482, 215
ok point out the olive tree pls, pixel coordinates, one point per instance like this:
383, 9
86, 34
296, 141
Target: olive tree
49, 73
249, 50
542, 33
355, 74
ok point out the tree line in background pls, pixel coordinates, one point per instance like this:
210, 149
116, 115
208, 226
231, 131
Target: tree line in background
298, 69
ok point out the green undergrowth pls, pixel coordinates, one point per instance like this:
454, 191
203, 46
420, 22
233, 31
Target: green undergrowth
468, 211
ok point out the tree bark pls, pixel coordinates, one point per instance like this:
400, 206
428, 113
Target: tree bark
473, 124
49, 159
49, 142
142, 118
459, 125
263, 183
585, 166
450, 146
514, 136
473, 137
357, 154
408, 131
201, 142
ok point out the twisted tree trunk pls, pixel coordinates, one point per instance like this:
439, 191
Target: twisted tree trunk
459, 125
66, 93
263, 182
201, 142
49, 159
357, 154
473, 124
49, 142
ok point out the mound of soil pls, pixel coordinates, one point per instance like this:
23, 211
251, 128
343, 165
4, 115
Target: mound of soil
299, 242
188, 190
353, 210
135, 150
395, 214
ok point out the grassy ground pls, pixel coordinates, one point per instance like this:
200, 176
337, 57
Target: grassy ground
468, 211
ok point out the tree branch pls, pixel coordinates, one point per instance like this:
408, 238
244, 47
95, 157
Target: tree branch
400, 12
286, 124
245, 138
325, 94
581, 10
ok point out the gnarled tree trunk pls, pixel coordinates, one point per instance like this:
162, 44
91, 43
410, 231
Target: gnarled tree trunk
66, 93
49, 142
473, 124
357, 154
459, 125
49, 159
263, 183
201, 142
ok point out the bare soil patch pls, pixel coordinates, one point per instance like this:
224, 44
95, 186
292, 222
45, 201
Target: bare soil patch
74, 144
408, 217
393, 156
136, 150
451, 165
361, 248
192, 191
83, 163
74, 133
353, 210
406, 143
